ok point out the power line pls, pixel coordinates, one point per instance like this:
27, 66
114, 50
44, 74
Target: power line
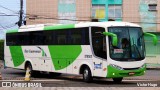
8, 15
1, 26
5, 14
6, 27
87, 20
8, 9
44, 16
2, 13
58, 19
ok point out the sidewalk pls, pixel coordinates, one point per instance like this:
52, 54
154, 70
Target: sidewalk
151, 66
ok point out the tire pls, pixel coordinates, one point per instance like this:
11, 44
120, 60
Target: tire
117, 80
87, 75
30, 68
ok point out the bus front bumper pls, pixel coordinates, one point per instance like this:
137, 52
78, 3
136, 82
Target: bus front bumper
115, 73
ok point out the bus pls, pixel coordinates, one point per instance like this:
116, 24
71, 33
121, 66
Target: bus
94, 49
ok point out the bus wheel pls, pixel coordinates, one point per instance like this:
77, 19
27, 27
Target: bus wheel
117, 80
29, 66
87, 76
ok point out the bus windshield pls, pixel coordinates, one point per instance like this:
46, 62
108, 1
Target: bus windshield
130, 44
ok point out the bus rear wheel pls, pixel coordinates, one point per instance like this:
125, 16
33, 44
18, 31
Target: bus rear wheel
117, 80
87, 76
29, 66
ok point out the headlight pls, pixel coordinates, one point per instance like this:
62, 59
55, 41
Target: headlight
115, 66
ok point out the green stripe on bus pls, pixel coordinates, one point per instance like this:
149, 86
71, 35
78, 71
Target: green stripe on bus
17, 55
64, 55
59, 27
12, 31
115, 73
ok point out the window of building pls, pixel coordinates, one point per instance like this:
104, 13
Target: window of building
114, 11
98, 11
152, 7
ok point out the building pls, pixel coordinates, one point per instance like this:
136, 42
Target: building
57, 11
143, 12
107, 9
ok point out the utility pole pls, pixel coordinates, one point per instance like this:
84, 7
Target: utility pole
21, 14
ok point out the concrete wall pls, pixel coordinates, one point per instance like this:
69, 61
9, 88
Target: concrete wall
83, 10
67, 10
158, 15
42, 9
131, 11
58, 11
137, 11
148, 16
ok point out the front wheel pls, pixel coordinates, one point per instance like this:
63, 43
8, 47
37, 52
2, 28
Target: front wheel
117, 80
87, 76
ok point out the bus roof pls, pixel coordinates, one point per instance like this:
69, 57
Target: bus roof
41, 27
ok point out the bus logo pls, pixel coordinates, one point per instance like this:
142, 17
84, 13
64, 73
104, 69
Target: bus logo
43, 53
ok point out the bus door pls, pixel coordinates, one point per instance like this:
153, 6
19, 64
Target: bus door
99, 49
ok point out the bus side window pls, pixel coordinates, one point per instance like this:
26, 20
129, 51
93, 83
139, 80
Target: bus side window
76, 36
79, 36
99, 42
61, 37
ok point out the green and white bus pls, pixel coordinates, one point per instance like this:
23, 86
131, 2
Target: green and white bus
93, 49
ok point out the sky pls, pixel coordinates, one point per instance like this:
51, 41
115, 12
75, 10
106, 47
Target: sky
8, 22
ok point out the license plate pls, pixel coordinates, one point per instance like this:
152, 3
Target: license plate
131, 73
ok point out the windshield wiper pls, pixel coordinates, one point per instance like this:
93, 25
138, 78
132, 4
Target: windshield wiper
136, 48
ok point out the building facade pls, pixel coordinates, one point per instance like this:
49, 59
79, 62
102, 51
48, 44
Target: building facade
57, 11
143, 12
147, 14
107, 9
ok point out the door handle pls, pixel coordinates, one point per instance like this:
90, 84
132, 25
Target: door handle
58, 61
44, 61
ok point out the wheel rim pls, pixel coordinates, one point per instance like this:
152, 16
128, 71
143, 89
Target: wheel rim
85, 74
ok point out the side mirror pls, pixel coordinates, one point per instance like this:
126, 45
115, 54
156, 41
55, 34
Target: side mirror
155, 39
114, 37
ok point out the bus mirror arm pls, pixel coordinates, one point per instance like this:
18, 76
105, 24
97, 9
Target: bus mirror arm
155, 39
114, 37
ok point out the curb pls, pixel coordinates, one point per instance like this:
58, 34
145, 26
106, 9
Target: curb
151, 66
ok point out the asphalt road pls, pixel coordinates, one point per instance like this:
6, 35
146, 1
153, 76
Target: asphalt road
151, 77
